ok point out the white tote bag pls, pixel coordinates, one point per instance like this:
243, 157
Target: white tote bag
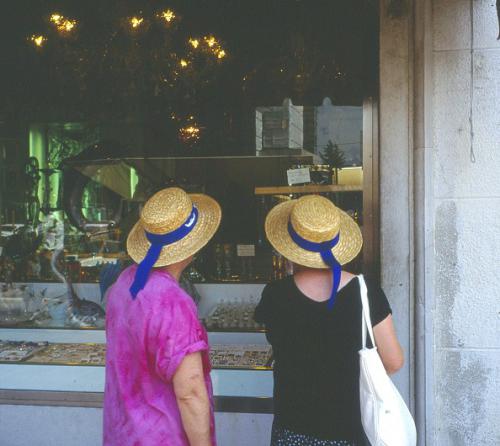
386, 419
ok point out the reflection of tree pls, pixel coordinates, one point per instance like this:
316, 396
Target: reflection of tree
64, 143
333, 155
107, 71
107, 68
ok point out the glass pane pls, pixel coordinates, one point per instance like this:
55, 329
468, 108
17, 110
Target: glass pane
253, 103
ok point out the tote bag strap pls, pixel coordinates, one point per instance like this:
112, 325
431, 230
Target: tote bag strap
366, 319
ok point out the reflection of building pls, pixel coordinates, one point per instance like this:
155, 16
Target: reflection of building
309, 128
279, 127
342, 126
312, 128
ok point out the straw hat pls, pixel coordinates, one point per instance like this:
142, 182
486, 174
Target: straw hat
315, 219
166, 211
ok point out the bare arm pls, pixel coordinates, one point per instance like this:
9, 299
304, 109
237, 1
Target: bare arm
388, 346
192, 399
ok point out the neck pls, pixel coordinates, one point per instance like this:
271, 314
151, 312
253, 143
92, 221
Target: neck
315, 273
176, 269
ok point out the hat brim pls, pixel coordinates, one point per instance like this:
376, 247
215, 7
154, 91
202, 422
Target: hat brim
276, 226
209, 217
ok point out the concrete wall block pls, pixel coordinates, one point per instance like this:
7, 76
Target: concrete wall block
466, 391
451, 120
485, 24
467, 312
454, 174
50, 426
243, 429
486, 109
446, 274
451, 84
450, 16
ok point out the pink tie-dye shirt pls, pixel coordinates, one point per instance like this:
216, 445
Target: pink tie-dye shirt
147, 338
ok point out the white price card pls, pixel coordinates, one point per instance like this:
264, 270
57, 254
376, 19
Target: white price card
298, 176
245, 250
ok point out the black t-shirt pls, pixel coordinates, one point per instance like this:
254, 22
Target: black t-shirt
316, 361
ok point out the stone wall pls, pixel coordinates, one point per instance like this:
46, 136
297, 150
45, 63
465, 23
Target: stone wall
440, 212
466, 196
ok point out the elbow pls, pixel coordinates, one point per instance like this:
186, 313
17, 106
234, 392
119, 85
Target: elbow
191, 396
392, 369
191, 391
395, 364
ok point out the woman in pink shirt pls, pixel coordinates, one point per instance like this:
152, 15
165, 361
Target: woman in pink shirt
158, 389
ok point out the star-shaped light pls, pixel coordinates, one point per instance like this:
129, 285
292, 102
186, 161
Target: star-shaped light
135, 21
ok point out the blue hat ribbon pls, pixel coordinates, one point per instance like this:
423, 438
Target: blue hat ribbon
158, 241
325, 250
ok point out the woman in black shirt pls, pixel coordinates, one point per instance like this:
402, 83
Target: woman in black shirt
315, 329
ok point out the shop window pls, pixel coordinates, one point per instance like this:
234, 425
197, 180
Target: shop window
253, 104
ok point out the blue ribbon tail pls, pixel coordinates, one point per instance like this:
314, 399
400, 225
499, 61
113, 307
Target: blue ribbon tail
331, 261
143, 269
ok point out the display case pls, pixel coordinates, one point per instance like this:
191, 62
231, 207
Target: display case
84, 245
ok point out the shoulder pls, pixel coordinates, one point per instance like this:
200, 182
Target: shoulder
168, 305
161, 292
277, 287
380, 307
346, 278
168, 291
270, 303
373, 286
348, 275
123, 281
127, 275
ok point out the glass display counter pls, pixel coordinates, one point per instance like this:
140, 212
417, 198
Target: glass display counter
36, 362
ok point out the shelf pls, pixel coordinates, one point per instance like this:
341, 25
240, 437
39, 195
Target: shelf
77, 364
307, 189
113, 159
265, 368
93, 355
